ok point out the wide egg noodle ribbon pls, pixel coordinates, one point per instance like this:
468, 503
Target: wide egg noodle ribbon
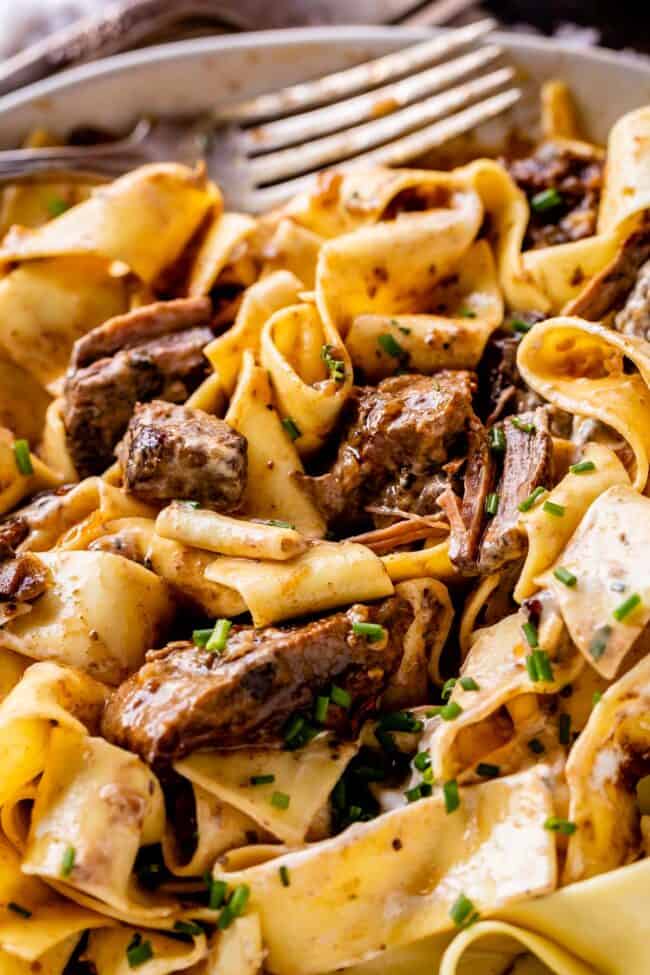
107, 951
225, 234
272, 490
292, 248
143, 219
626, 192
292, 345
609, 547
579, 366
183, 568
470, 308
574, 493
23, 401
394, 880
238, 949
327, 575
307, 775
74, 621
226, 353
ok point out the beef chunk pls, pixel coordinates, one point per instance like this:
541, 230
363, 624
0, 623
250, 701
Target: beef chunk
527, 464
152, 352
501, 387
576, 176
622, 284
174, 452
399, 436
22, 577
185, 698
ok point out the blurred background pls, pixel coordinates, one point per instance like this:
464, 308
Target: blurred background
112, 27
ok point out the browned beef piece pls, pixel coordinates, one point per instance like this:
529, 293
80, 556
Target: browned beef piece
577, 177
501, 387
174, 452
22, 577
400, 435
185, 698
466, 514
154, 352
622, 284
528, 463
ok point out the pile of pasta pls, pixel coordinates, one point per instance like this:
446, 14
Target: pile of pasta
533, 865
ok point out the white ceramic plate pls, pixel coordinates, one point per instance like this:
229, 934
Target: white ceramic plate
197, 75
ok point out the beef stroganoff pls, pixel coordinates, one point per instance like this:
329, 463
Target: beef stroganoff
324, 584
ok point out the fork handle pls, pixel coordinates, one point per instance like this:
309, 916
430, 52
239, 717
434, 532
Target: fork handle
81, 164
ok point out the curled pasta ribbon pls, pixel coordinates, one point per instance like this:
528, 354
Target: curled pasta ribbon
14, 485
293, 248
107, 951
296, 348
74, 621
143, 219
472, 608
226, 234
575, 493
392, 266
23, 401
454, 339
602, 804
183, 568
579, 366
308, 779
420, 858
272, 490
626, 193
226, 353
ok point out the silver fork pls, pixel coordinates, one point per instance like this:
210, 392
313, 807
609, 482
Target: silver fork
262, 150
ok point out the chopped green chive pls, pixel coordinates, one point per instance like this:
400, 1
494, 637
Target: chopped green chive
262, 779
627, 606
386, 740
67, 861
219, 637
19, 909
519, 325
321, 708
188, 927
497, 440
468, 684
294, 728
400, 721
546, 200
451, 796
539, 666
427, 776
138, 952
597, 698
599, 641
23, 457
531, 499
536, 746
449, 712
492, 504
466, 313
191, 504
201, 637
291, 428
389, 344
463, 912
280, 800
643, 795
336, 367
563, 575
284, 876
276, 523
56, 205
412, 795
557, 825
341, 697
447, 688
530, 632
583, 467
371, 631
551, 508
565, 729
422, 761
522, 425
234, 907
487, 771
218, 889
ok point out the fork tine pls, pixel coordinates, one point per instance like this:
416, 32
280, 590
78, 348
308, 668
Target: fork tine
350, 80
353, 111
286, 163
398, 152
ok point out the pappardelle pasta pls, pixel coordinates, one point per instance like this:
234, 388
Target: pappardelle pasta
324, 579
